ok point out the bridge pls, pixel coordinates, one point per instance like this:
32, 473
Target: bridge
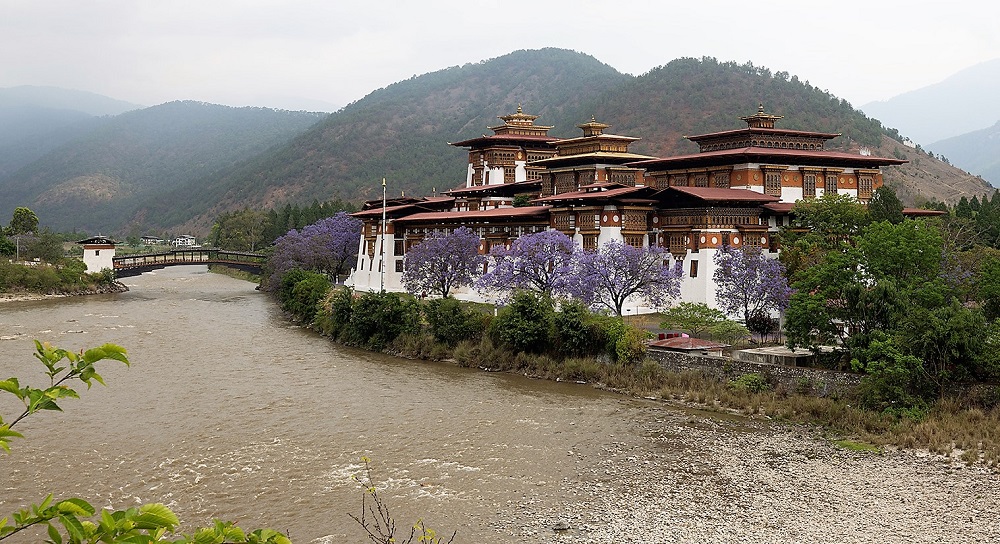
133, 265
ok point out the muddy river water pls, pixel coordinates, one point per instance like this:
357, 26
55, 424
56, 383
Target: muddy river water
229, 411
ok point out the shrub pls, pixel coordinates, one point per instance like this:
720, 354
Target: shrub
630, 348
571, 331
750, 383
301, 292
378, 318
524, 324
335, 312
451, 323
762, 325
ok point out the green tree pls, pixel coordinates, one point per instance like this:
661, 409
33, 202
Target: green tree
963, 208
820, 226
24, 221
886, 206
47, 246
948, 338
524, 324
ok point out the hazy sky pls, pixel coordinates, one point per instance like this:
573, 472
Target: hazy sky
300, 54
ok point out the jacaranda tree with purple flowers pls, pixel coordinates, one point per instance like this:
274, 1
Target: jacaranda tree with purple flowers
329, 246
617, 271
748, 282
542, 262
443, 262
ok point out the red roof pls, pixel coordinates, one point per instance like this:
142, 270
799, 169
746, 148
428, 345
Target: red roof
780, 207
686, 344
526, 185
754, 130
494, 139
474, 215
755, 154
719, 194
920, 212
377, 212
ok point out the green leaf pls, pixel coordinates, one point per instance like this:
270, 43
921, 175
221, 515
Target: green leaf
72, 525
54, 534
107, 351
11, 385
152, 516
75, 506
45, 502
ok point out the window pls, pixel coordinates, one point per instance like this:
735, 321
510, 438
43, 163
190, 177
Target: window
772, 183
694, 269
397, 247
97, 252
721, 180
701, 180
831, 184
399, 265
590, 242
865, 184
809, 186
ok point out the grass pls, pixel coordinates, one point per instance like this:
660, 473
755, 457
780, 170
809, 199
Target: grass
857, 446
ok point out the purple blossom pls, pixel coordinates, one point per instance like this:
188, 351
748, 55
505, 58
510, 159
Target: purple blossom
544, 262
615, 272
443, 262
328, 245
747, 282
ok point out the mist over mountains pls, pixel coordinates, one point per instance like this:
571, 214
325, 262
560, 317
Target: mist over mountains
178, 165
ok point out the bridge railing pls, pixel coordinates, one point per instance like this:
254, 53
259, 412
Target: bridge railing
187, 256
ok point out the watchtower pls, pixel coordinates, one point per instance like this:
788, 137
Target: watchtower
98, 253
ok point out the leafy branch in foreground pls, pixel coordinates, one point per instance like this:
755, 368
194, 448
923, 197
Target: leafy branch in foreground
79, 521
78, 366
379, 524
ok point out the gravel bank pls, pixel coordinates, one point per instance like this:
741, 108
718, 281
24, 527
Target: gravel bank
691, 478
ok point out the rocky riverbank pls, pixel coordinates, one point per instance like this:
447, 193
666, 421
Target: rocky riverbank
695, 478
114, 287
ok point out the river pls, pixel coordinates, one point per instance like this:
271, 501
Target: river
229, 411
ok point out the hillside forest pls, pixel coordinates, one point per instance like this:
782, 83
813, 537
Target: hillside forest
178, 166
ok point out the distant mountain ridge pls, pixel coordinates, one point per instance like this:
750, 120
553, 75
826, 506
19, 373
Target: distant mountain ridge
36, 119
962, 103
977, 152
97, 180
179, 165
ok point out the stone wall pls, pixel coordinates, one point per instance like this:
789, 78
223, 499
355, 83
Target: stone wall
820, 381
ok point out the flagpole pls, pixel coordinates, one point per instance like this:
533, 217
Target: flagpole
381, 251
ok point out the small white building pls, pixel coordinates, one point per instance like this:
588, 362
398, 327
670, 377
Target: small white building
184, 240
98, 253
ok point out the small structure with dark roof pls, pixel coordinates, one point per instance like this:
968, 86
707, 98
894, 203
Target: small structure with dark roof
98, 253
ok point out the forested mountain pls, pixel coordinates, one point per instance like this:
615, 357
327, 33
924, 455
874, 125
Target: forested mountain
35, 120
97, 180
183, 164
402, 132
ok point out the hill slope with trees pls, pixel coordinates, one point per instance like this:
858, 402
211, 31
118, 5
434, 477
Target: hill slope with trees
401, 132
181, 171
136, 156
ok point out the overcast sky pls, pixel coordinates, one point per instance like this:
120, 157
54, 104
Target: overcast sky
304, 54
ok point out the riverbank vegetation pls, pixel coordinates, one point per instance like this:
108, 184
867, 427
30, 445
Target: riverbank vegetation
33, 262
532, 337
